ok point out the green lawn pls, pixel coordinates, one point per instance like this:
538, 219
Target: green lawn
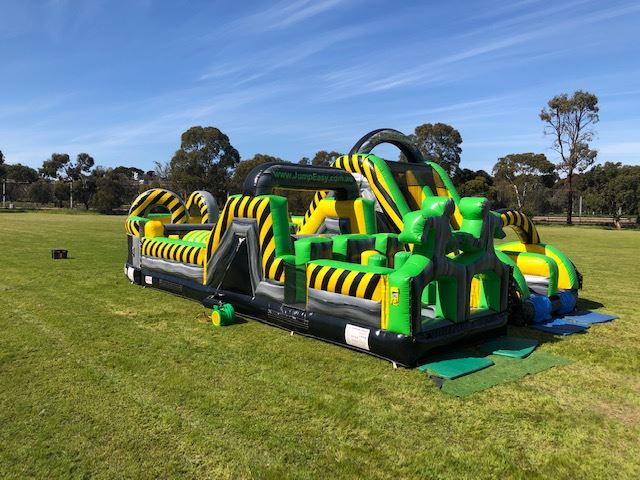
100, 378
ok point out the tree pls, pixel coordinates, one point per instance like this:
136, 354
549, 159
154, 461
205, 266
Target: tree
464, 175
304, 161
84, 190
570, 121
440, 143
21, 173
83, 164
84, 184
324, 158
479, 186
111, 191
612, 189
40, 192
53, 167
61, 192
245, 166
131, 173
203, 162
524, 173
472, 183
162, 171
3, 170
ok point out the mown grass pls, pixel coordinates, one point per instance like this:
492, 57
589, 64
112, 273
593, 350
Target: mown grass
100, 378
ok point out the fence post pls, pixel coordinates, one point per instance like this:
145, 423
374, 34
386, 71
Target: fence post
580, 211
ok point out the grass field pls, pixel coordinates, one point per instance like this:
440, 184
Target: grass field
100, 378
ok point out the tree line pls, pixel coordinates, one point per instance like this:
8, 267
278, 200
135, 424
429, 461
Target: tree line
207, 160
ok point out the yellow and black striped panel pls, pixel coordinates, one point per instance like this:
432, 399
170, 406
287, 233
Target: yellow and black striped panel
258, 208
132, 227
320, 195
346, 282
159, 197
173, 251
520, 223
197, 199
360, 164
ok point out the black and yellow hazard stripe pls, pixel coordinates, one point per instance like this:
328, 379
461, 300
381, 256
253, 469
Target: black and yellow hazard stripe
521, 224
159, 197
361, 164
132, 227
320, 195
197, 199
259, 209
353, 283
172, 251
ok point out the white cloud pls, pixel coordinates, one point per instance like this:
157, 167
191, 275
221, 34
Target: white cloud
285, 13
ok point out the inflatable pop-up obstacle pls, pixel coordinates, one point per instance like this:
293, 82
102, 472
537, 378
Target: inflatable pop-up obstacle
340, 273
546, 281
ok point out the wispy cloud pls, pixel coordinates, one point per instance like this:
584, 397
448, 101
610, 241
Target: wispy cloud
436, 72
275, 58
286, 13
37, 104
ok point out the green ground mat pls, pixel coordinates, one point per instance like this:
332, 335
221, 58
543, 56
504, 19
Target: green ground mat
505, 369
455, 364
516, 347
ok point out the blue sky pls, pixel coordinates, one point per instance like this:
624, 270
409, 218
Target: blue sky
122, 80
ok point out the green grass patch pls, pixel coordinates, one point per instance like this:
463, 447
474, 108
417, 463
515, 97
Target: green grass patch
100, 378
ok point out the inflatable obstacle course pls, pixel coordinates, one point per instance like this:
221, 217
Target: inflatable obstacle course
388, 259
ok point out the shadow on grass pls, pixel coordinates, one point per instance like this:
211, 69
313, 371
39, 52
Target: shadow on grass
587, 304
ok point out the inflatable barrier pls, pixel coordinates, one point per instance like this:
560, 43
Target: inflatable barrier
388, 259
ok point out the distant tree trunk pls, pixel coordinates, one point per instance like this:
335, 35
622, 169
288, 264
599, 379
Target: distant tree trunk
616, 215
515, 187
570, 199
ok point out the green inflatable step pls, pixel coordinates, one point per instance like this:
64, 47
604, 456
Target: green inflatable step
454, 365
515, 347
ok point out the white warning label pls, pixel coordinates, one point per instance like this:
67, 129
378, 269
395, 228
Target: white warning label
357, 336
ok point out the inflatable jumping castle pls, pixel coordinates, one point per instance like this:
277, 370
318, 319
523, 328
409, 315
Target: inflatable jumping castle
388, 259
